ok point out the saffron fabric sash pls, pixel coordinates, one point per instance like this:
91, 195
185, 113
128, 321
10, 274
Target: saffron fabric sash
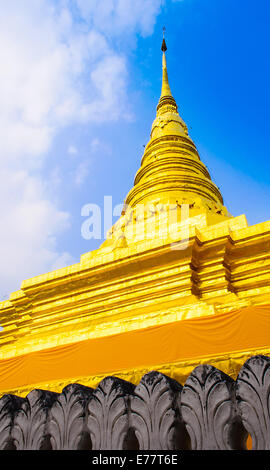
240, 330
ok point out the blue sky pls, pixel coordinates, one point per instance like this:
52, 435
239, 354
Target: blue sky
80, 81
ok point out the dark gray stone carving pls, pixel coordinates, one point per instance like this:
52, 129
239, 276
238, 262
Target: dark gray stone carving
253, 397
108, 420
68, 419
9, 405
209, 410
155, 414
30, 429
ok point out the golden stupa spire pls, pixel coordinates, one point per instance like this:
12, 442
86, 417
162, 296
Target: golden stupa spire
171, 172
165, 91
166, 96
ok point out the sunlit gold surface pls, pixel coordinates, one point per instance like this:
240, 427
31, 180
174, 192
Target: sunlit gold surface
134, 281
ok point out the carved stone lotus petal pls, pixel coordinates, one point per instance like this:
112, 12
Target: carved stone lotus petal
253, 397
155, 414
108, 420
30, 431
209, 411
68, 419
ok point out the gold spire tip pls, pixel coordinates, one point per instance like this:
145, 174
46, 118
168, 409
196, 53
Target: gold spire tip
164, 47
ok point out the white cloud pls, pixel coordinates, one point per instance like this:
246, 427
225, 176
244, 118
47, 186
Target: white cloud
81, 172
116, 17
30, 224
43, 58
72, 150
109, 81
54, 71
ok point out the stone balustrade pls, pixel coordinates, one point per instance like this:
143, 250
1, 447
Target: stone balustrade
211, 411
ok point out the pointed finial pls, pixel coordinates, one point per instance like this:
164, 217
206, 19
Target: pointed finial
165, 82
164, 47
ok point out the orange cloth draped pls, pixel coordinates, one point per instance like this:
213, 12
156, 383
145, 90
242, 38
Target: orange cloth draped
241, 330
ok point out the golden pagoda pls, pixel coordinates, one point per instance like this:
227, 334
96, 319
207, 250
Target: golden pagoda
178, 282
